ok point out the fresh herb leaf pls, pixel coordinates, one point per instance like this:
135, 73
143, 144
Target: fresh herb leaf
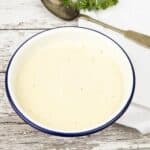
90, 4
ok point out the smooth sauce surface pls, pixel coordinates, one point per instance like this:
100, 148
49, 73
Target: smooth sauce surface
69, 88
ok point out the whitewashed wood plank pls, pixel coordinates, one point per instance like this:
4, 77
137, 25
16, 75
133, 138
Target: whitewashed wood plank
17, 135
16, 14
9, 41
14, 133
4, 104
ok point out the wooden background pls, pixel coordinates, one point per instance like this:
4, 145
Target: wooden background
19, 19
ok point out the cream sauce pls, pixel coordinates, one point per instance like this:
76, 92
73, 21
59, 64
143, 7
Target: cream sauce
69, 88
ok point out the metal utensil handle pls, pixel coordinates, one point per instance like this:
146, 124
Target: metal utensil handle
138, 38
135, 36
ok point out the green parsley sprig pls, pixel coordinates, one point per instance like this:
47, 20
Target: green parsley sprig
90, 4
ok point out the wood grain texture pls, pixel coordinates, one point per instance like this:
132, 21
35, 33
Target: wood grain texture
17, 135
9, 42
30, 16
27, 14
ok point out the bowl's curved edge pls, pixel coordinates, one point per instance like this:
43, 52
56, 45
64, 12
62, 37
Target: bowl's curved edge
73, 134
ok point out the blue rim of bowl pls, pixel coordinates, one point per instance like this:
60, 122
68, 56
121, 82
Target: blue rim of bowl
70, 134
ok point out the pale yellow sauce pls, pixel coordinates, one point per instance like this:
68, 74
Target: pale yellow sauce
69, 88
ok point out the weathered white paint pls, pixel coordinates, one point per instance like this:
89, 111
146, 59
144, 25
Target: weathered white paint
14, 133
26, 14
9, 41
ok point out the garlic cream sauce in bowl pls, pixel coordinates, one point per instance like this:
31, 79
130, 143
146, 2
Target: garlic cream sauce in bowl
70, 81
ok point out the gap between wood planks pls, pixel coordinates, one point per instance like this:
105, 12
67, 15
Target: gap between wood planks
25, 29
5, 29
